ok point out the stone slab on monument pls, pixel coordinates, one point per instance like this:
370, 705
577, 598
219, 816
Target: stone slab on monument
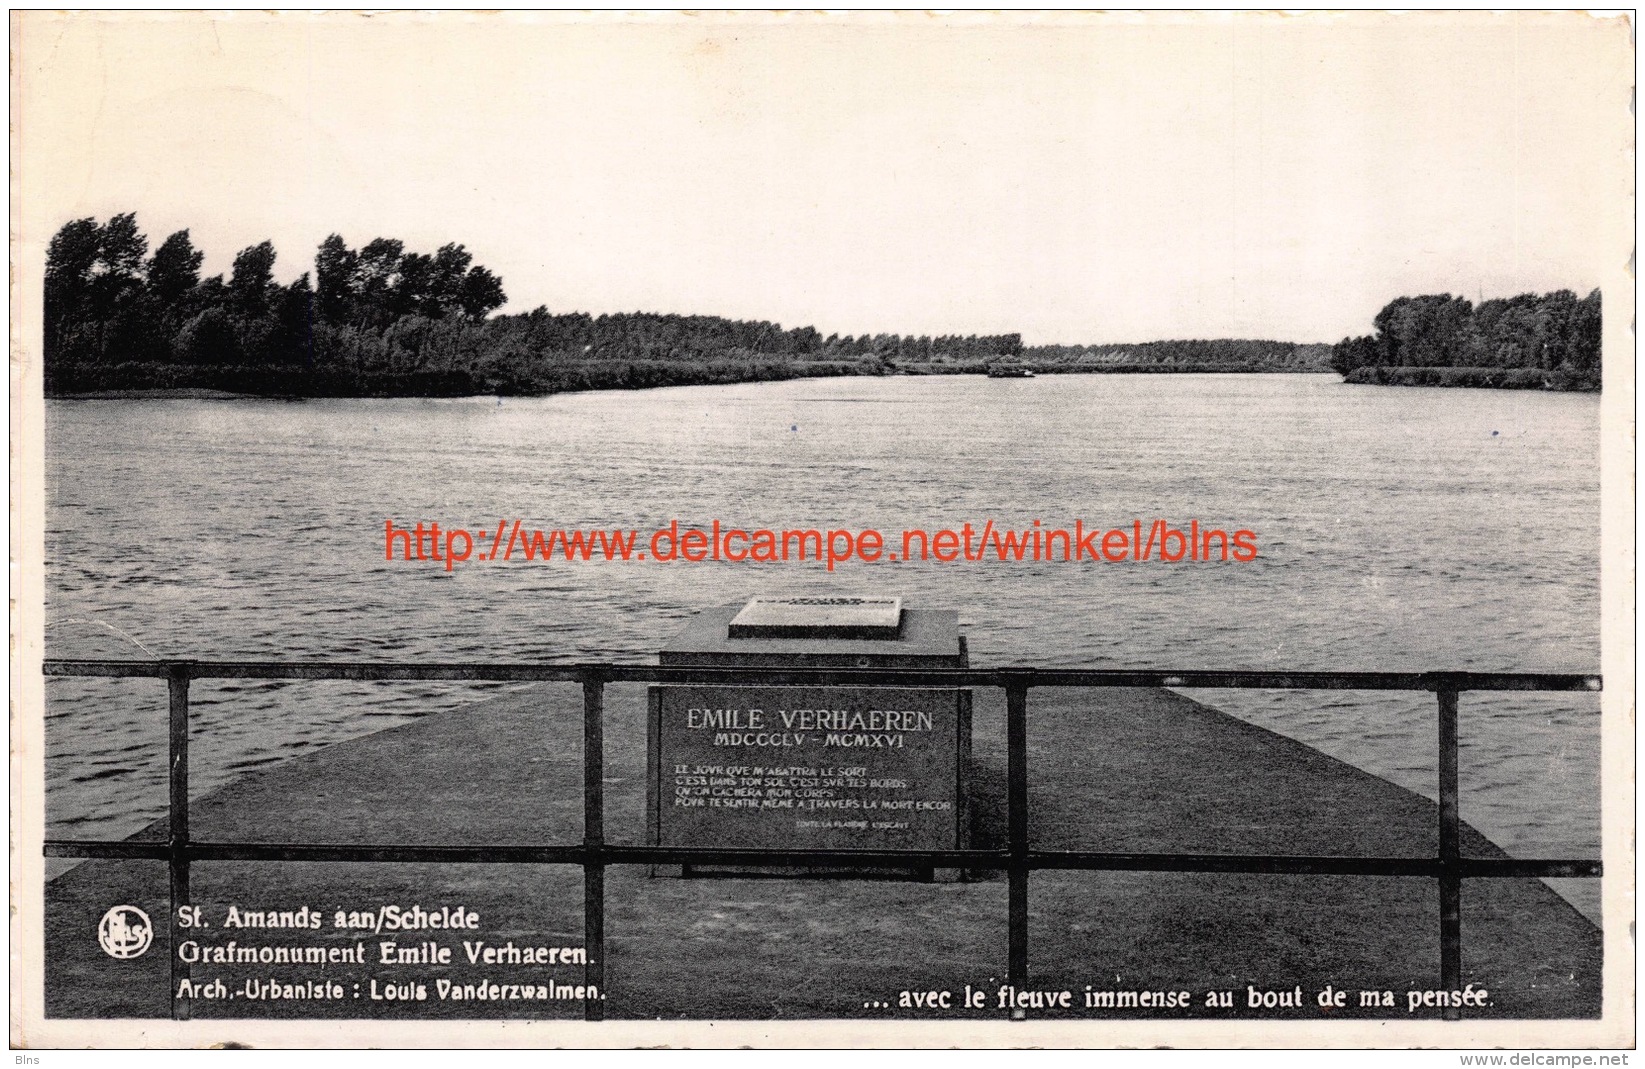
818, 617
925, 638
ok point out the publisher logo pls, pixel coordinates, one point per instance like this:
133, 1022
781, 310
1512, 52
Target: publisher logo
125, 932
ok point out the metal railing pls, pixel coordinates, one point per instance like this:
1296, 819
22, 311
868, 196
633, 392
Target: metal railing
1018, 859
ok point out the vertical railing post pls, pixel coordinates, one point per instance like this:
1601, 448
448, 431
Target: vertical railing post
177, 680
1450, 852
1016, 740
594, 843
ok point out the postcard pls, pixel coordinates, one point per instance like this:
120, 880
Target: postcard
792, 529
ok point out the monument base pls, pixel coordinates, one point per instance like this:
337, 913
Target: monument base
798, 768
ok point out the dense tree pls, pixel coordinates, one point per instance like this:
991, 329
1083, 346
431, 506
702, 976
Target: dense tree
1423, 331
334, 268
481, 293
296, 314
1554, 332
209, 338
375, 277
95, 300
1585, 329
1350, 353
1221, 354
69, 261
253, 279
120, 250
174, 269
410, 295
381, 319
386, 320
117, 273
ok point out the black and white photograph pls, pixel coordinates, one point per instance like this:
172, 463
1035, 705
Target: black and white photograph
872, 529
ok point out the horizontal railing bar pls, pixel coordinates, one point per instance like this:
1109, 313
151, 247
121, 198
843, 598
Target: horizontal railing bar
1035, 677
1269, 864
1421, 681
1292, 864
412, 852
120, 849
577, 854
111, 669
404, 852
570, 854
700, 855
1498, 868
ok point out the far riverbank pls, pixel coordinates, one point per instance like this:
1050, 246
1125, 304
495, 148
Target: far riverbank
508, 357
126, 382
291, 388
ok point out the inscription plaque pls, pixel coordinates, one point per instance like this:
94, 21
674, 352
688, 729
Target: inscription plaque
796, 767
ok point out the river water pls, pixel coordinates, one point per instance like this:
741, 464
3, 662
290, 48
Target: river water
1399, 529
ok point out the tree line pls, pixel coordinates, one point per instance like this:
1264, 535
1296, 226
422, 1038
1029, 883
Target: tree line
1219, 354
383, 319
108, 301
1533, 339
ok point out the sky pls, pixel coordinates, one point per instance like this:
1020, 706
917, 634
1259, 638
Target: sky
1077, 180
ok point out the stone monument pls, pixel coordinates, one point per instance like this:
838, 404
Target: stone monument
805, 767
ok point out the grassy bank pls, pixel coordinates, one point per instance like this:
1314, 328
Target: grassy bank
1043, 368
150, 379
1491, 378
217, 381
